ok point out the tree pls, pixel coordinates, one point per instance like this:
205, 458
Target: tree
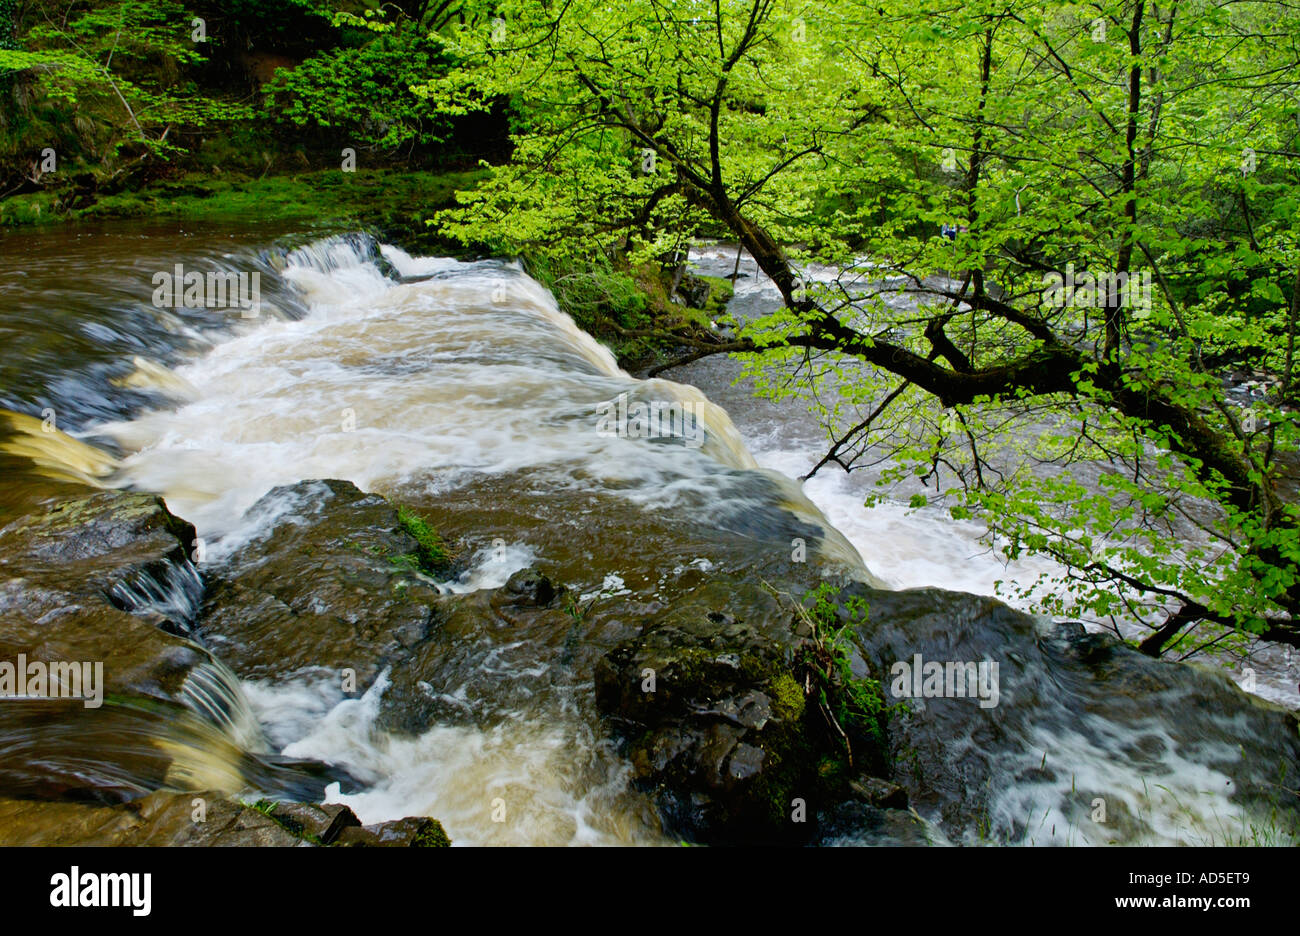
1073, 153
366, 90
108, 84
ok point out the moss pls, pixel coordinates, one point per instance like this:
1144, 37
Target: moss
394, 201
788, 697
431, 836
705, 672
832, 770
611, 299
407, 562
432, 553
763, 811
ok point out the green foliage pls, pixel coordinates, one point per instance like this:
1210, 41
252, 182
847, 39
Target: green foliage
121, 65
365, 93
9, 25
852, 705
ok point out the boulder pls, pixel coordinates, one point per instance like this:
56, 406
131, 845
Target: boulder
694, 291
717, 725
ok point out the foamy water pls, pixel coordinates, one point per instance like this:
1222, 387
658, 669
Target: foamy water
463, 371
471, 371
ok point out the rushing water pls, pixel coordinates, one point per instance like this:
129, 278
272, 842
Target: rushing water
907, 547
448, 384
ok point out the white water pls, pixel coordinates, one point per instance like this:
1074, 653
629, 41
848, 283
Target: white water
474, 372
386, 385
469, 371
910, 547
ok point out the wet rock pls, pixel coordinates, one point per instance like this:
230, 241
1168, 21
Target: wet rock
491, 653
121, 526
1069, 630
412, 832
194, 819
879, 793
67, 571
714, 720
86, 580
317, 823
533, 587
333, 585
860, 824
1079, 717
204, 819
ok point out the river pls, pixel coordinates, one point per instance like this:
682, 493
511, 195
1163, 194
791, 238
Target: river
461, 388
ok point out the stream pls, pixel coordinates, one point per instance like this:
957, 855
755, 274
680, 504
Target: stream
460, 389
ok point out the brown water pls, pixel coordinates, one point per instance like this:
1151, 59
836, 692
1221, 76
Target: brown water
460, 387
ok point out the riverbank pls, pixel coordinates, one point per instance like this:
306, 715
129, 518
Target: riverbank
396, 202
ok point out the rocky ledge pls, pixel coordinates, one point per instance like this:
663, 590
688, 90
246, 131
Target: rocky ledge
745, 710
208, 818
105, 579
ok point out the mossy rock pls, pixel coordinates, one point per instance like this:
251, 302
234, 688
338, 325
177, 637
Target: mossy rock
717, 727
339, 582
